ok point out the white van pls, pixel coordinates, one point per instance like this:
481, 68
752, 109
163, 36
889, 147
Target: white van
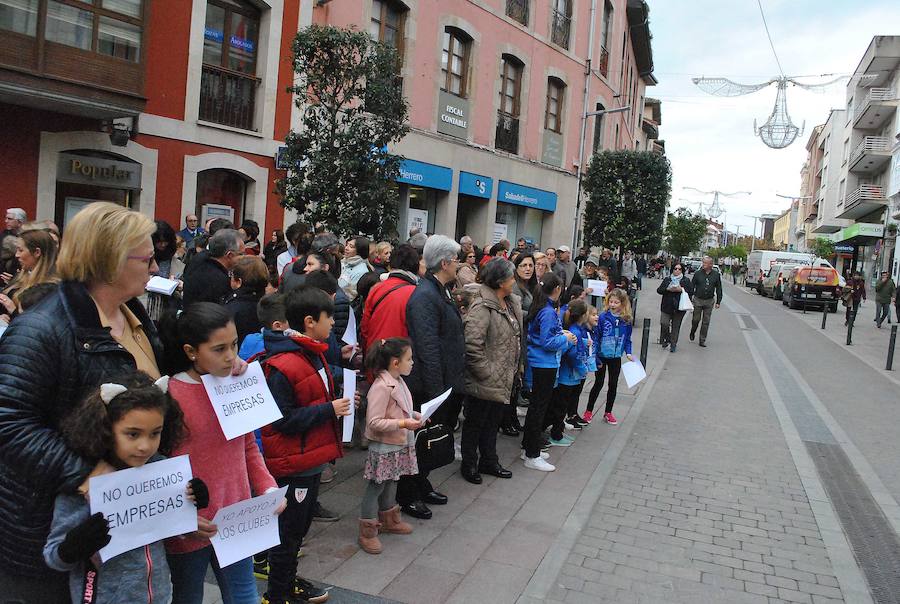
760, 261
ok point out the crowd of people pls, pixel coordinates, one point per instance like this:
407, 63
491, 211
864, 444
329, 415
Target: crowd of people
504, 328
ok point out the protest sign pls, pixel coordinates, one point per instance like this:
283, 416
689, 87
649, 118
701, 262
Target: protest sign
349, 392
242, 403
634, 373
246, 527
349, 336
144, 504
598, 286
431, 406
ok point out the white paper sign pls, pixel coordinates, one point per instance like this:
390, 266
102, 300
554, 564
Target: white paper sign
500, 232
349, 391
598, 286
247, 527
242, 403
144, 504
634, 373
161, 285
349, 336
431, 406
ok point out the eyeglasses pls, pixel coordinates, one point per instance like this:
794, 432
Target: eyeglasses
148, 259
470, 256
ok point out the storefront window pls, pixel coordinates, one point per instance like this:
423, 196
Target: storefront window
221, 187
19, 16
423, 200
521, 222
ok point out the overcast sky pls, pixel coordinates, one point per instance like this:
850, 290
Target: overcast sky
710, 140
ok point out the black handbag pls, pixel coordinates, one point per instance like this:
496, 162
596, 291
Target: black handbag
434, 447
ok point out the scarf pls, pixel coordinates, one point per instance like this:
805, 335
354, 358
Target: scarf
675, 281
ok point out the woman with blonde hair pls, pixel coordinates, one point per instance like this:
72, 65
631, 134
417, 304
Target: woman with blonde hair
612, 339
36, 253
541, 264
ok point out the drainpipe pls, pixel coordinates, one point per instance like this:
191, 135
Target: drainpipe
584, 117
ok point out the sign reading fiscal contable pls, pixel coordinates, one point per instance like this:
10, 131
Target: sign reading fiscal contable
144, 505
247, 527
242, 403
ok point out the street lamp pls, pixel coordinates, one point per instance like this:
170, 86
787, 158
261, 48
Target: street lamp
584, 119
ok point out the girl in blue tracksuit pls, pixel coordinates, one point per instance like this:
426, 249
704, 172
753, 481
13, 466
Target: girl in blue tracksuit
592, 318
546, 343
612, 339
572, 372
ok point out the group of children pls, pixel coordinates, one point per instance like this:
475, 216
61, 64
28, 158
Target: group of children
137, 420
565, 343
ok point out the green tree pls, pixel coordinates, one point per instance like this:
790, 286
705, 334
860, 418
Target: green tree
627, 196
823, 248
736, 251
683, 233
352, 108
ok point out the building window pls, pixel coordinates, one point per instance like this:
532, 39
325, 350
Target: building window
605, 37
19, 16
510, 103
598, 129
455, 61
518, 10
555, 95
387, 24
111, 28
561, 23
229, 83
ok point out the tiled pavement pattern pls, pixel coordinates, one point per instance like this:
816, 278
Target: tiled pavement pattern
705, 504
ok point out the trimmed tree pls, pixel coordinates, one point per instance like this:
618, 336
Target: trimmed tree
684, 231
823, 248
352, 108
627, 196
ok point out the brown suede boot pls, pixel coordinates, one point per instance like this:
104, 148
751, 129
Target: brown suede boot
368, 536
391, 522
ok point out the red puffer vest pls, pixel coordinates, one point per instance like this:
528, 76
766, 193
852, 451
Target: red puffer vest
287, 455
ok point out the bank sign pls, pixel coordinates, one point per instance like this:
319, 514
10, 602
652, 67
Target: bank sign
453, 115
509, 192
113, 173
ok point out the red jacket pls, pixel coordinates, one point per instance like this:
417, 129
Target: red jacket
309, 433
389, 318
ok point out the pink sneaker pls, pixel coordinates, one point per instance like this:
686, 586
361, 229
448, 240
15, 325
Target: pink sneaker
610, 419
588, 416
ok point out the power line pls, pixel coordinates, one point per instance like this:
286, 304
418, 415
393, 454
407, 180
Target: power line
772, 44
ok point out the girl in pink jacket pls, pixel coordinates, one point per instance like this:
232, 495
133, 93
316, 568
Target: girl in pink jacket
390, 426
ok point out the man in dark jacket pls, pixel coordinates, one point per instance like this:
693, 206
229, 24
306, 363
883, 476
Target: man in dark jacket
439, 351
884, 293
191, 229
209, 281
608, 262
707, 285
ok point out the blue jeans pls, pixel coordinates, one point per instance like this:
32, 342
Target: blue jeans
236, 581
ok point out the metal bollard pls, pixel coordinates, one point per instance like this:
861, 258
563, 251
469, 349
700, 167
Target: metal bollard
890, 359
645, 341
824, 314
850, 327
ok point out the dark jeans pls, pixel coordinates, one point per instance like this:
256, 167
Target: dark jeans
293, 524
479, 432
236, 581
614, 366
416, 486
883, 311
542, 379
670, 326
51, 588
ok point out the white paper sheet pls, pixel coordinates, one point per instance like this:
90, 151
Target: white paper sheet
144, 504
431, 406
242, 403
161, 285
247, 527
349, 391
349, 336
598, 286
633, 372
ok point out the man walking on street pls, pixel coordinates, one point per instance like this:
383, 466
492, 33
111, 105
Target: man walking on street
884, 292
707, 295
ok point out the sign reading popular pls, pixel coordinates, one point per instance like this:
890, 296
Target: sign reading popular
144, 505
242, 403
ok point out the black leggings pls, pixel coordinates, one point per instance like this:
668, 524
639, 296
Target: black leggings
615, 366
541, 395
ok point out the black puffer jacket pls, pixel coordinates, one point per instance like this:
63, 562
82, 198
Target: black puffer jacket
439, 346
51, 357
670, 300
242, 305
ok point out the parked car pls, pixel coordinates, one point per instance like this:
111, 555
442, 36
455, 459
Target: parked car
812, 286
773, 283
760, 261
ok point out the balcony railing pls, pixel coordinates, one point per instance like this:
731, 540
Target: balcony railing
507, 133
603, 62
227, 97
518, 10
871, 144
875, 95
871, 192
559, 32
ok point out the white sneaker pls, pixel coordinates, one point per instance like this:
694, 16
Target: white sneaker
544, 455
457, 451
538, 463
568, 426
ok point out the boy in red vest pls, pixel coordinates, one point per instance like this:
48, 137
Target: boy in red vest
299, 445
